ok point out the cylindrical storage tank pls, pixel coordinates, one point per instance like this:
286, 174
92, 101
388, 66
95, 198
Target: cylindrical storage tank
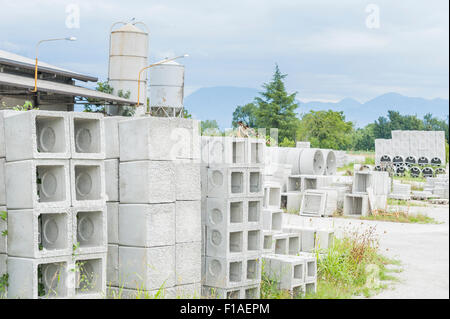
167, 85
312, 162
415, 171
128, 54
330, 162
436, 161
423, 161
427, 172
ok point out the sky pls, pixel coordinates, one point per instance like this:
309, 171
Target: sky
329, 49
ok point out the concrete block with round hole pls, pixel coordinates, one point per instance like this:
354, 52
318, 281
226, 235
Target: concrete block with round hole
147, 225
228, 214
188, 259
188, 221
37, 134
225, 272
23, 277
224, 182
112, 216
89, 276
229, 151
90, 229
147, 182
37, 184
187, 177
112, 180
40, 233
147, 268
87, 182
87, 135
221, 243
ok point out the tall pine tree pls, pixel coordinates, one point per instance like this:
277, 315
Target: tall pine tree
276, 108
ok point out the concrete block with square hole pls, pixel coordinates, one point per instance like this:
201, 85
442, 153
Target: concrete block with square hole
225, 272
112, 214
311, 266
294, 243
287, 271
281, 241
324, 238
40, 233
90, 276
188, 259
2, 182
224, 150
187, 177
356, 204
255, 182
112, 180
37, 184
147, 268
90, 229
111, 127
256, 151
221, 243
3, 229
291, 201
272, 196
145, 182
308, 237
313, 203
268, 242
224, 182
87, 182
37, 135
55, 273
87, 135
147, 225
272, 219
246, 292
112, 266
188, 222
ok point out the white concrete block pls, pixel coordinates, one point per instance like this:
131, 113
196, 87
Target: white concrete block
112, 266
39, 233
147, 225
272, 196
225, 272
324, 238
90, 276
294, 183
188, 263
313, 203
268, 242
112, 180
189, 291
90, 229
255, 182
37, 134
3, 229
3, 271
291, 201
2, 182
23, 278
227, 151
112, 214
224, 182
286, 271
87, 182
294, 244
256, 151
2, 132
311, 266
186, 136
222, 243
37, 184
281, 243
87, 135
147, 268
187, 181
188, 221
356, 204
272, 219
111, 127
147, 182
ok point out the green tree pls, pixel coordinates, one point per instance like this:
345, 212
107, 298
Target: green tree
326, 129
364, 138
210, 127
96, 106
276, 108
245, 114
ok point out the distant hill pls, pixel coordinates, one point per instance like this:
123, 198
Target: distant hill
218, 103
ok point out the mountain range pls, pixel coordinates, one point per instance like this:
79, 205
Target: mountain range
219, 102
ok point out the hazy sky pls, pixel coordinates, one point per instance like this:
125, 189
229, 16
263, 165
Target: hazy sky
326, 47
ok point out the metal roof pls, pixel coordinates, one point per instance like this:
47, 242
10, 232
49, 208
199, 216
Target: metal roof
12, 59
61, 88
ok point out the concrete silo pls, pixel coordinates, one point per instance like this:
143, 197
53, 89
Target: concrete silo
128, 54
166, 89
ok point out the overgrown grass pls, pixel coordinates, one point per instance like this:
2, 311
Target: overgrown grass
401, 217
352, 266
401, 202
369, 160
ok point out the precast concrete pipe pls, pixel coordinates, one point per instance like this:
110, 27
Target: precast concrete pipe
423, 161
330, 161
312, 162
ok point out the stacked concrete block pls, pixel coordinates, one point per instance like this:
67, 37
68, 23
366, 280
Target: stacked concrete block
374, 184
56, 204
400, 191
159, 216
232, 219
356, 204
438, 186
